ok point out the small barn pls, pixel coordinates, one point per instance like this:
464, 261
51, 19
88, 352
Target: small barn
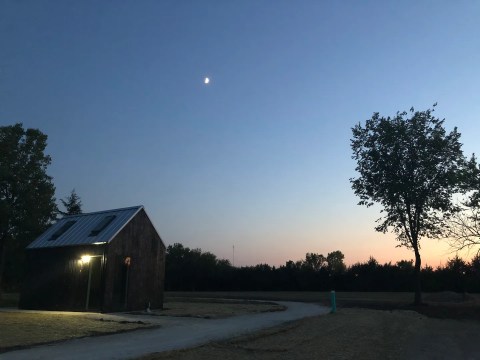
105, 261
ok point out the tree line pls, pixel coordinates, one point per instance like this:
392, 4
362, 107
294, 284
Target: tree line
193, 270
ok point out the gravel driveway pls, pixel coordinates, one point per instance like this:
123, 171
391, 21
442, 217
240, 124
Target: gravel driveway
175, 333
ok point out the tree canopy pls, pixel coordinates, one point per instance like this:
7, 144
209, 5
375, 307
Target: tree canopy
412, 167
72, 204
27, 203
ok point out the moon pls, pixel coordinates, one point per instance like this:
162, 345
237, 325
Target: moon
206, 81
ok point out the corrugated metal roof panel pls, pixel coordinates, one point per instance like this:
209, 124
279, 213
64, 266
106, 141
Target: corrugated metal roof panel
79, 233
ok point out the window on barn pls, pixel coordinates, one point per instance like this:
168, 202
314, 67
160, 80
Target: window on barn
62, 230
102, 224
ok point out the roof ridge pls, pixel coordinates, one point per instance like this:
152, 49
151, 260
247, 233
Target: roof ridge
103, 211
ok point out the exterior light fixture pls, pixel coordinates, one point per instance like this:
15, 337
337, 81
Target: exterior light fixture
86, 259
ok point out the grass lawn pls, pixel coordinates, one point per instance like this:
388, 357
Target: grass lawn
21, 329
214, 308
439, 305
351, 333
304, 296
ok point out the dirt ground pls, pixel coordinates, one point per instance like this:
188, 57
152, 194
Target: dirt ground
351, 333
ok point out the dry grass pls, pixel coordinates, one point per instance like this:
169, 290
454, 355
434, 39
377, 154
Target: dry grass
444, 305
21, 329
347, 334
304, 296
215, 308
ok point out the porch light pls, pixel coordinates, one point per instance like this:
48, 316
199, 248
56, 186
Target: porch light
86, 259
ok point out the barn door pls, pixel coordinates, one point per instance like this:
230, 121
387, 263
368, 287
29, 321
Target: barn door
121, 285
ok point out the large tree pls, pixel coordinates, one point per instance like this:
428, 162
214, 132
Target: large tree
27, 203
72, 204
411, 166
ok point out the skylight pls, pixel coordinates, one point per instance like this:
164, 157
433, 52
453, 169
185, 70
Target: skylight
102, 224
62, 230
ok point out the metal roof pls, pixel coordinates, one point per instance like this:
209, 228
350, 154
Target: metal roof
80, 233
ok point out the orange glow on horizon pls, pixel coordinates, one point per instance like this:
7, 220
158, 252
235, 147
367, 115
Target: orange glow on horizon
382, 247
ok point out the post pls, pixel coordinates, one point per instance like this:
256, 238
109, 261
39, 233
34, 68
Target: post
103, 265
89, 284
333, 302
126, 287
127, 262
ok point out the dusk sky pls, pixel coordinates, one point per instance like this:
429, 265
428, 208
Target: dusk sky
258, 158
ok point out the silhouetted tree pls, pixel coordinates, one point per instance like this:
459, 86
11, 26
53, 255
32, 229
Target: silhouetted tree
455, 272
431, 280
72, 204
412, 167
27, 203
405, 265
473, 283
314, 261
463, 229
335, 262
192, 269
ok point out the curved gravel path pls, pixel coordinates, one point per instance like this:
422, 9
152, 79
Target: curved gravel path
175, 333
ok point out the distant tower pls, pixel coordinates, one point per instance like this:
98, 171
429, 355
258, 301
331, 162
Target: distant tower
233, 259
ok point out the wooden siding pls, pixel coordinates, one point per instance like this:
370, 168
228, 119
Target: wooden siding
57, 279
133, 287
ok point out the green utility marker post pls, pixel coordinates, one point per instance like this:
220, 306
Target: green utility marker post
332, 302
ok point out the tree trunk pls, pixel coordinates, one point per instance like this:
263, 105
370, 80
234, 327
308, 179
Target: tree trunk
3, 258
418, 282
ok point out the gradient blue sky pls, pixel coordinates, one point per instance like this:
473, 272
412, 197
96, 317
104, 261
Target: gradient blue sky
259, 158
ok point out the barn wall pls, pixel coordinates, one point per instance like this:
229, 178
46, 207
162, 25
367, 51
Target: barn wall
133, 287
57, 280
